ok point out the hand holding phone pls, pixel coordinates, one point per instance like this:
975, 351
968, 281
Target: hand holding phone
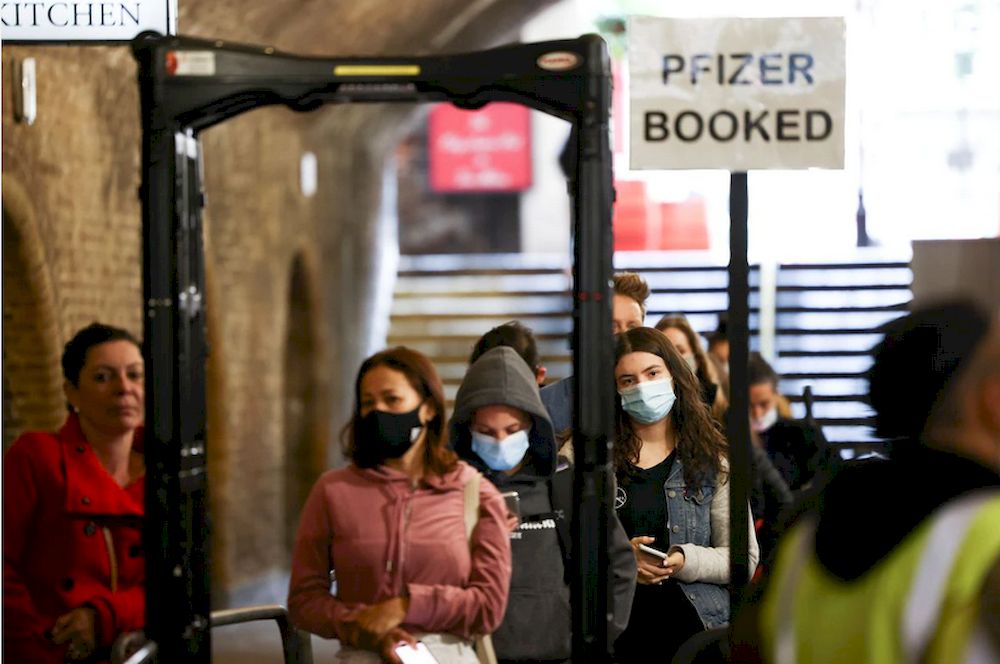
651, 563
513, 501
407, 654
653, 552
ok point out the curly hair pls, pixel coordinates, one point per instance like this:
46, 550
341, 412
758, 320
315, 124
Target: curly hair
706, 372
422, 377
701, 446
630, 284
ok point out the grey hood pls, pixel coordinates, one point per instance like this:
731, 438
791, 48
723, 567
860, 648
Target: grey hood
501, 377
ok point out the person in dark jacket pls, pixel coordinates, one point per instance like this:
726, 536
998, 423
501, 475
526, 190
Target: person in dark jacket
797, 449
898, 559
770, 498
501, 427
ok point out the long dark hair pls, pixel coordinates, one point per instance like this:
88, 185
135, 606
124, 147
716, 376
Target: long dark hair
423, 377
700, 443
706, 371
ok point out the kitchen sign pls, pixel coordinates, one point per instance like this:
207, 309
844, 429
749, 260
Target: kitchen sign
80, 21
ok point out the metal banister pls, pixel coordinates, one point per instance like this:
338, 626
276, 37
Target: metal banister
147, 653
296, 645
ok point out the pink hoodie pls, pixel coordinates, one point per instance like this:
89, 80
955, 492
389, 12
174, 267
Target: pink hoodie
385, 539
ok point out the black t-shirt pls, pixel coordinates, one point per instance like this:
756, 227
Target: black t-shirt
662, 617
644, 511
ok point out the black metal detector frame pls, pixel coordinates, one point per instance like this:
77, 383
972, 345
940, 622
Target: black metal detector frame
188, 85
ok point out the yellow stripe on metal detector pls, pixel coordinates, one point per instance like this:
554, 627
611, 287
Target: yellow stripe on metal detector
376, 70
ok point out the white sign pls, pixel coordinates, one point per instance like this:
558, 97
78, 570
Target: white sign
81, 20
736, 93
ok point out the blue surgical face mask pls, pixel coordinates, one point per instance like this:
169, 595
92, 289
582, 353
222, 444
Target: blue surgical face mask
649, 401
501, 454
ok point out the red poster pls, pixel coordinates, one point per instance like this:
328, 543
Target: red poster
484, 150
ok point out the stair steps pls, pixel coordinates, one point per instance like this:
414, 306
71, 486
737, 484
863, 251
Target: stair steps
827, 316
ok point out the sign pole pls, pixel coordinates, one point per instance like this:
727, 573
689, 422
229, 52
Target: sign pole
737, 418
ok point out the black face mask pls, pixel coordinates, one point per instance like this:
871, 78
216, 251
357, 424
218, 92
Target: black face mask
388, 435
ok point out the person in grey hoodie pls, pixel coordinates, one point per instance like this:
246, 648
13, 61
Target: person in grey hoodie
500, 427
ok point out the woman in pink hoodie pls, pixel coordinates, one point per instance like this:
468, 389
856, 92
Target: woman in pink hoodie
389, 529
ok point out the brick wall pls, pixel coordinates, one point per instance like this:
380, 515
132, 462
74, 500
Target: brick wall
72, 245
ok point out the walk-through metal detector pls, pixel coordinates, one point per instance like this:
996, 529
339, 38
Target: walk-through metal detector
188, 85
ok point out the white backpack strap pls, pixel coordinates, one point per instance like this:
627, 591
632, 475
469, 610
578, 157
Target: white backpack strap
981, 649
471, 493
483, 644
949, 526
784, 635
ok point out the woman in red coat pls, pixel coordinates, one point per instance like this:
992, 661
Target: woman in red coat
73, 572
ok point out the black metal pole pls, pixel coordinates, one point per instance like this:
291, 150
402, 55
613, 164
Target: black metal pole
175, 534
592, 364
738, 417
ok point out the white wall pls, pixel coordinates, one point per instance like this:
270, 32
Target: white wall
545, 208
948, 268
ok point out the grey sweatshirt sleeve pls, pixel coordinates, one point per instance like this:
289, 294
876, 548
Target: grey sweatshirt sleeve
621, 577
710, 564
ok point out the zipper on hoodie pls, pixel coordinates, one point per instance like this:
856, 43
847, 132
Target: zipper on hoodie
407, 510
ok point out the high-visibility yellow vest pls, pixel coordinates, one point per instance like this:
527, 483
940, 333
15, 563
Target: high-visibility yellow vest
919, 604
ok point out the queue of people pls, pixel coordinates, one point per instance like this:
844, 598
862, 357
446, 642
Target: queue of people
455, 533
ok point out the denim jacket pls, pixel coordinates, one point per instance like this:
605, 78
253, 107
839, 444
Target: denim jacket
698, 524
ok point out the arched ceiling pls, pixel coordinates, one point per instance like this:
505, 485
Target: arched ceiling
359, 27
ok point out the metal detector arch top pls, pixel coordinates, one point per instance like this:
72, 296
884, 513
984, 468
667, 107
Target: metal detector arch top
188, 85
198, 83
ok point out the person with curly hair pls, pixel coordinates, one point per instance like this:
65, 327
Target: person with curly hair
673, 497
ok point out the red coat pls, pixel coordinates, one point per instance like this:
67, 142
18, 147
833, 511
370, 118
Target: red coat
71, 537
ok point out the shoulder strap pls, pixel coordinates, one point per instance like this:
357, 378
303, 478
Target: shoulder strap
483, 644
471, 500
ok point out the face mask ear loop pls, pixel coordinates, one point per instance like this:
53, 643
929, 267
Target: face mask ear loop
416, 431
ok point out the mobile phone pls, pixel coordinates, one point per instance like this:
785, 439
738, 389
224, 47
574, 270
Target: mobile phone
409, 655
513, 501
653, 552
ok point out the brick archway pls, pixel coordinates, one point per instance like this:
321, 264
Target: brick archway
32, 379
